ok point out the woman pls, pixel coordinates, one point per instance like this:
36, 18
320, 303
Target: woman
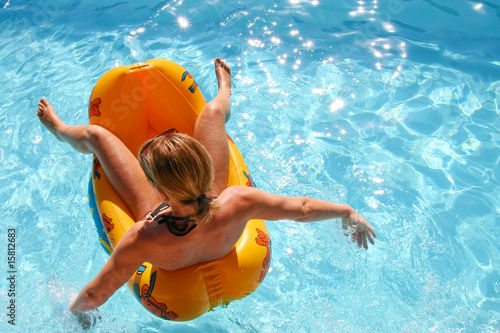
185, 179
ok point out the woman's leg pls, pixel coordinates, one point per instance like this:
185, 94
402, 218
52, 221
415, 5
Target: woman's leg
119, 164
210, 128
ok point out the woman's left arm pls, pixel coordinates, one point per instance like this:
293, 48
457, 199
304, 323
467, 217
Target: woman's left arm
124, 261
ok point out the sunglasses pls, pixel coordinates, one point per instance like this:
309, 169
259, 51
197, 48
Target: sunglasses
146, 147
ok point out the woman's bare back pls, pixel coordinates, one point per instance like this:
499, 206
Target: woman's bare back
208, 241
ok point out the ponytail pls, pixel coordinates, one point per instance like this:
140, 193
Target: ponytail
203, 204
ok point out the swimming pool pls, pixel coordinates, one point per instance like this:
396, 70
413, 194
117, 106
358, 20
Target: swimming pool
391, 106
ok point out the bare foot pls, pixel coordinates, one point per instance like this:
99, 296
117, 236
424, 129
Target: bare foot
223, 72
49, 118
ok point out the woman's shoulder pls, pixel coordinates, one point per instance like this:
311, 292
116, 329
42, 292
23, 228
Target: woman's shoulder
243, 192
144, 231
241, 199
236, 193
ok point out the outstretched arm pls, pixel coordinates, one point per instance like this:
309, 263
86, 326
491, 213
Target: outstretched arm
273, 207
124, 261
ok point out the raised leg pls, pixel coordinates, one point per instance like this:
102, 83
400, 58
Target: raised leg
119, 164
210, 128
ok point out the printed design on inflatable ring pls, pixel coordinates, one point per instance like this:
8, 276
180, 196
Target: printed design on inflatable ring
106, 222
263, 239
194, 85
94, 108
105, 244
249, 182
96, 167
148, 301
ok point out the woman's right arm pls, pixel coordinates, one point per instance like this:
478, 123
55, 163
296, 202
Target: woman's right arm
272, 207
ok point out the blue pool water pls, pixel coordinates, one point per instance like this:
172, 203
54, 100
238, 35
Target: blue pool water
391, 106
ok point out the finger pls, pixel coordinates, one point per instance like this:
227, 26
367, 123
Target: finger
360, 241
369, 227
365, 245
370, 238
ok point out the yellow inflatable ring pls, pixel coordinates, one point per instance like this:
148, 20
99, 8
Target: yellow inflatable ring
136, 103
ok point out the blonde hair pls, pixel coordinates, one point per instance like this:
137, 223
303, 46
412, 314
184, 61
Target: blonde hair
182, 168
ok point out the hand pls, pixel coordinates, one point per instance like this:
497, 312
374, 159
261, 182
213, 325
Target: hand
359, 228
88, 319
